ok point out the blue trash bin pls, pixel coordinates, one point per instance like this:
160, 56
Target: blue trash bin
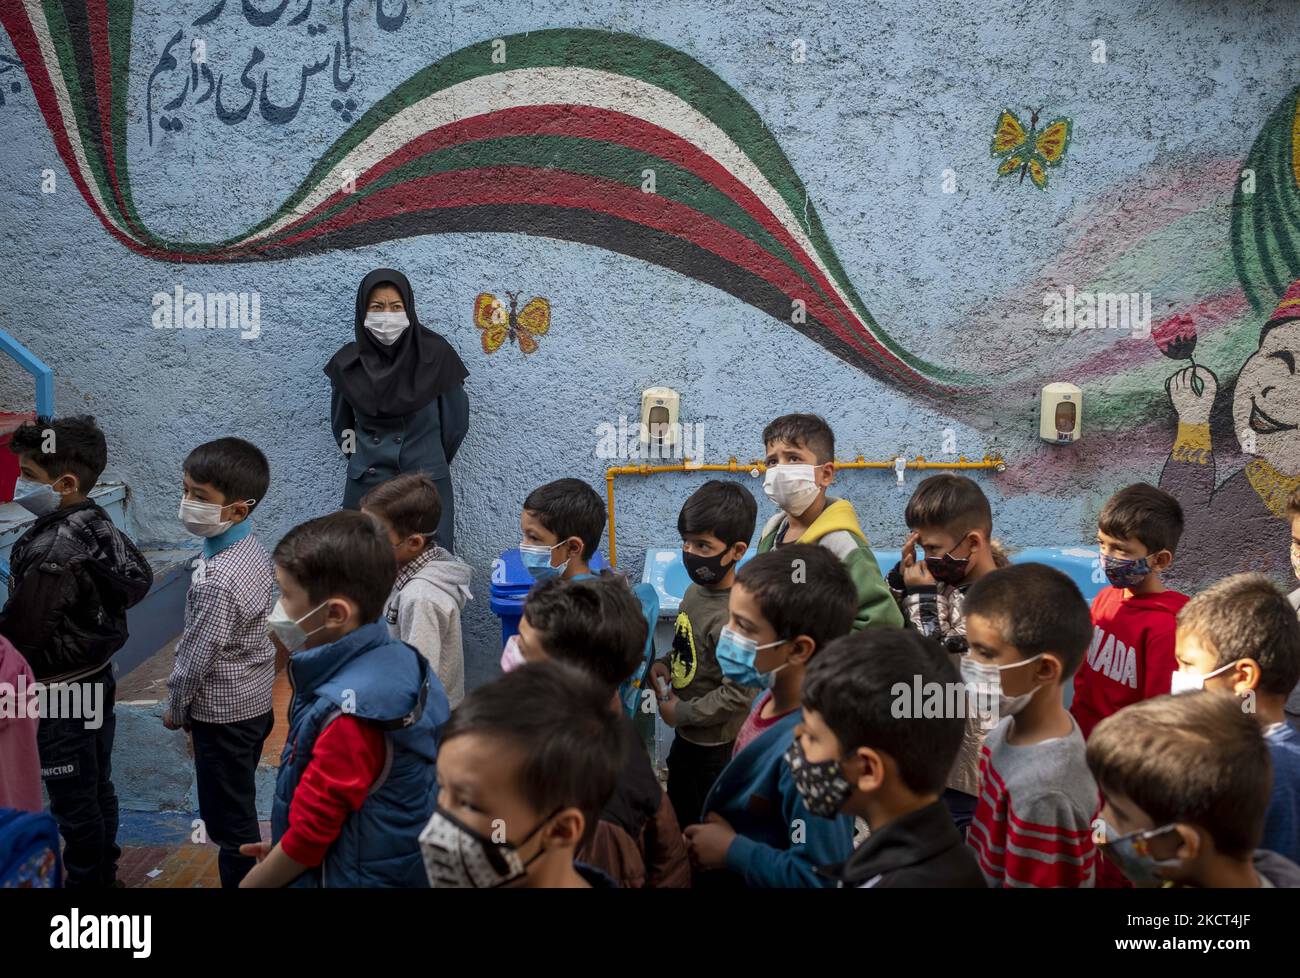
511, 583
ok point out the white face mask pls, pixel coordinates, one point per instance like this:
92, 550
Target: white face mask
792, 487
1185, 681
386, 327
204, 519
988, 676
289, 630
511, 657
37, 498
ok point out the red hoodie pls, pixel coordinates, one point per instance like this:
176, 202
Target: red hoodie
1132, 653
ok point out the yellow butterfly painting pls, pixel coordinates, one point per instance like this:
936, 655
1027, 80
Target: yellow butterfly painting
1030, 152
522, 326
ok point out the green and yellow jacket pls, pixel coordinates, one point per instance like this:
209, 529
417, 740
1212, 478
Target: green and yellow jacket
837, 530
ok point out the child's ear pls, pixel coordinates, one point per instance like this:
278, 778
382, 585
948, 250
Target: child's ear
1250, 675
1050, 668
739, 550
339, 611
1161, 559
804, 647
828, 473
573, 547
872, 775
566, 828
1189, 845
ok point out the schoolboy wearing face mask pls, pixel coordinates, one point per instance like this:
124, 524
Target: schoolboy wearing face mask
786, 605
950, 521
704, 707
854, 755
1185, 784
525, 766
1132, 652
358, 765
73, 575
1028, 628
220, 688
561, 524
1240, 637
799, 453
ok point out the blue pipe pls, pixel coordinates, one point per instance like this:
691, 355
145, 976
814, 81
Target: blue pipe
36, 367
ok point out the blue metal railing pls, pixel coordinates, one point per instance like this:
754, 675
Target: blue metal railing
42, 374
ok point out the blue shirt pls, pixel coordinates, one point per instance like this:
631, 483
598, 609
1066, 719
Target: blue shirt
1282, 820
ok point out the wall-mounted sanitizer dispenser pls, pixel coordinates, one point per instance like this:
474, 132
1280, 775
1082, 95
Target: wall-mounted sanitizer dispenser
660, 409
1060, 419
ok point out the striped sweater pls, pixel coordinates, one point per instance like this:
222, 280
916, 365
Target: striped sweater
1033, 823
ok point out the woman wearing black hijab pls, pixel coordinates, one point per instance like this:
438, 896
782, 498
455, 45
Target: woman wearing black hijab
397, 388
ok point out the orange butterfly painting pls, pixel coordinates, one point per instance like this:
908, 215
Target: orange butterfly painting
522, 326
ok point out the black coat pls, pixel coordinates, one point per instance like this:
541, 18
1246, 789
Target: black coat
922, 849
72, 576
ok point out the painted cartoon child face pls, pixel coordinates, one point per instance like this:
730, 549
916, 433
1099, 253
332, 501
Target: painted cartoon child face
1266, 405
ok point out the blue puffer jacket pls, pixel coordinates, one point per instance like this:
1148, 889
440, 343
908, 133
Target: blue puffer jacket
389, 684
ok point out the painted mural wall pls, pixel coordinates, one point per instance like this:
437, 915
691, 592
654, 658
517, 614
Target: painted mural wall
908, 222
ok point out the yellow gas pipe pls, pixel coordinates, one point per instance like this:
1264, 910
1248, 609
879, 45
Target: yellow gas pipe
993, 462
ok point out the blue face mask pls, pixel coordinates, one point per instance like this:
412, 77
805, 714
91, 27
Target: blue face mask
1125, 573
37, 498
736, 655
1132, 853
537, 560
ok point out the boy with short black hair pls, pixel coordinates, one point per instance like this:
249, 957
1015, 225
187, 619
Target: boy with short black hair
855, 755
357, 770
799, 453
1240, 636
785, 606
704, 707
526, 763
564, 515
1132, 653
567, 515
220, 688
432, 584
1028, 628
596, 624
949, 517
1185, 784
72, 576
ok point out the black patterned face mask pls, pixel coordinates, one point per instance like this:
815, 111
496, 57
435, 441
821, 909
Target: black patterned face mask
705, 570
948, 569
457, 856
821, 784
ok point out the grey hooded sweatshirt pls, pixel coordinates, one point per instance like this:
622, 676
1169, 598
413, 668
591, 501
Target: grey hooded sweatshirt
1276, 871
424, 610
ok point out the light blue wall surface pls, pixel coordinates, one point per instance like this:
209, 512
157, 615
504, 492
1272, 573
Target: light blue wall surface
892, 94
